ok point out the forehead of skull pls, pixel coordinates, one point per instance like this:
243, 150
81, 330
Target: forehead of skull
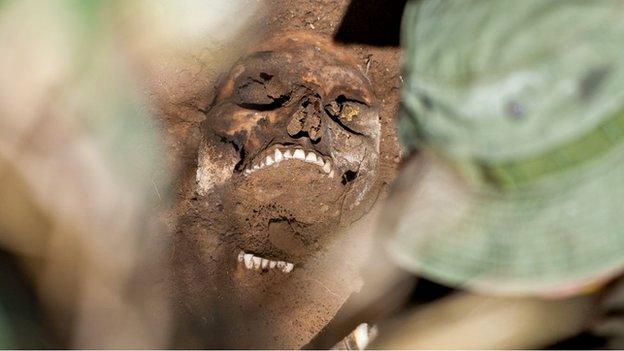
298, 58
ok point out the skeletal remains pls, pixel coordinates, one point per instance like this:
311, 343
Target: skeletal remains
293, 101
289, 159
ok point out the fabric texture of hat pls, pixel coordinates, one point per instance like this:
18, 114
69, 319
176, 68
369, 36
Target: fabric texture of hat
519, 108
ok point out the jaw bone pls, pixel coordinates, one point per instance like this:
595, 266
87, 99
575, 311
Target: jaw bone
253, 262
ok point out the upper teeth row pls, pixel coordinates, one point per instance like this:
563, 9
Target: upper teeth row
298, 154
259, 263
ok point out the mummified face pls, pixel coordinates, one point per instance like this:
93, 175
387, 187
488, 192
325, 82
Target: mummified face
301, 124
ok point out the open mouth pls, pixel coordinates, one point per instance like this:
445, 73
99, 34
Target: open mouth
320, 166
277, 154
254, 262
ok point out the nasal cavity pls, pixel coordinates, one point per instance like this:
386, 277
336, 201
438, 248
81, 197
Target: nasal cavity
306, 121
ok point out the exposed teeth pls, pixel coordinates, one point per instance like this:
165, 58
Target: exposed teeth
278, 155
327, 167
299, 154
311, 157
289, 267
286, 154
248, 263
258, 263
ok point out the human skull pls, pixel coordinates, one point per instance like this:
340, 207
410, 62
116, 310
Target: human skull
301, 121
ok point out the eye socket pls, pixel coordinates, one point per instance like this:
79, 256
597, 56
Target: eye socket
348, 113
260, 92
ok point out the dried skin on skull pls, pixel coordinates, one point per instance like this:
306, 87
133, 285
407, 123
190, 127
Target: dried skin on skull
299, 93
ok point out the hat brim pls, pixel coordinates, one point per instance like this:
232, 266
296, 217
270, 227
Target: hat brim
557, 234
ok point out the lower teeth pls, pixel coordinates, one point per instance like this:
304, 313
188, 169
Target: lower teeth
258, 263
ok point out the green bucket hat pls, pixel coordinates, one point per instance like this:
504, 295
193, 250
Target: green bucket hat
517, 108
